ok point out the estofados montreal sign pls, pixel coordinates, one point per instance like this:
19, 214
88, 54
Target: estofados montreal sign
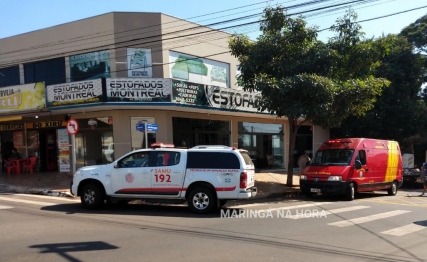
227, 98
134, 89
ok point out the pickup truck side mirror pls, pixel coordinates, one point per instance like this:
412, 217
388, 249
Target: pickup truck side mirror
116, 165
357, 164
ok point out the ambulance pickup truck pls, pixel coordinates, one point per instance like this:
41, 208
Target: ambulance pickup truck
351, 165
204, 176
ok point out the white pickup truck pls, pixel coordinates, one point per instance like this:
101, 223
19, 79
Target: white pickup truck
204, 176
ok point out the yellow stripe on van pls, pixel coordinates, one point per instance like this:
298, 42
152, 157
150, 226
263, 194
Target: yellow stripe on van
393, 160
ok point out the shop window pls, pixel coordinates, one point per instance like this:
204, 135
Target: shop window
49, 71
189, 132
264, 143
9, 76
138, 137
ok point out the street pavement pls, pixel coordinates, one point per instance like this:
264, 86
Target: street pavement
374, 227
57, 184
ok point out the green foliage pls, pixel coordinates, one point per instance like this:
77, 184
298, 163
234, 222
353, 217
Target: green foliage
416, 33
306, 80
399, 113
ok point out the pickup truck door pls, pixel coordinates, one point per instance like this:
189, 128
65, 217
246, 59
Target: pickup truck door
168, 173
132, 175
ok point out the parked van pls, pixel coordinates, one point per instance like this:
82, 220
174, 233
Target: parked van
350, 165
205, 177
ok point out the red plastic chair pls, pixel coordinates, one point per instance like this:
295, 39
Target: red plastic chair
11, 167
30, 164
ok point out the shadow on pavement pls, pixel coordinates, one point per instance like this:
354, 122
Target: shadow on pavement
63, 249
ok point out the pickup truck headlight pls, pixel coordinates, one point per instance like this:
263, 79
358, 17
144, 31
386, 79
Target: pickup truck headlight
335, 178
303, 177
77, 173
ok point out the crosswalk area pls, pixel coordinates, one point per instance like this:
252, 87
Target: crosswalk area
341, 215
7, 201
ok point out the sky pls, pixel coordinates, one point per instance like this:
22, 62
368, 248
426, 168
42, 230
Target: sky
21, 16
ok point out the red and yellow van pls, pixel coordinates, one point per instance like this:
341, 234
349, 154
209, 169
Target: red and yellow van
350, 165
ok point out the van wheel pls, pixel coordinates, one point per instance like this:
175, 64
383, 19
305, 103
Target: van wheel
349, 195
393, 190
92, 196
201, 200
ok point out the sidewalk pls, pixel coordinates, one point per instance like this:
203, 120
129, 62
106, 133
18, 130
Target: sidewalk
57, 184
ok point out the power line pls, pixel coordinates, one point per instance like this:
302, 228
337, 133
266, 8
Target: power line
176, 37
80, 38
196, 57
193, 28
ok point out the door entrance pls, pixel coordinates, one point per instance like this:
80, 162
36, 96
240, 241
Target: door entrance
48, 150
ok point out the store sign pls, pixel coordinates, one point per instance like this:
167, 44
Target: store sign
89, 65
139, 62
74, 93
11, 127
47, 124
22, 97
199, 70
188, 93
64, 150
232, 99
138, 89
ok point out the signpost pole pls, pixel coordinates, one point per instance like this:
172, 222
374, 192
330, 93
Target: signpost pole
146, 135
73, 154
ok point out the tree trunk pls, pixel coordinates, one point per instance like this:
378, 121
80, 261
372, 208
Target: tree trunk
293, 129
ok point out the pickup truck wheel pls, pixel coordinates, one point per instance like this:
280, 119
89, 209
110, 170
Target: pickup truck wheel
201, 200
92, 196
393, 190
349, 195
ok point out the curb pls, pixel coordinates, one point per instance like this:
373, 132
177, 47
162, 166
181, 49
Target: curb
34, 191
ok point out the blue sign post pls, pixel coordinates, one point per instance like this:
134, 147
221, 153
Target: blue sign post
149, 127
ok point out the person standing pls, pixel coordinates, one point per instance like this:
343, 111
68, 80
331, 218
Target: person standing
302, 160
424, 177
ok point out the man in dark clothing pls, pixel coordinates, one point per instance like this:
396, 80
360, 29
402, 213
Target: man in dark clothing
14, 155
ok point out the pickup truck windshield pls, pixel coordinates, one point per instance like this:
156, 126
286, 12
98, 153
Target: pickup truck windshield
332, 157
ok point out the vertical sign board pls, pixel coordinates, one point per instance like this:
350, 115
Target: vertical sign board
72, 129
147, 127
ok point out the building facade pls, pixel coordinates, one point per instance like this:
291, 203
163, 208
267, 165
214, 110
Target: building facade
115, 72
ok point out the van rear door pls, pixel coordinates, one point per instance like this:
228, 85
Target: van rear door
249, 168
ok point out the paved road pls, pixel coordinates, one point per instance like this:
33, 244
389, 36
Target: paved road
375, 227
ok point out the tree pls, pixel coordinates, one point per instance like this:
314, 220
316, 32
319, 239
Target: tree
304, 79
399, 113
416, 33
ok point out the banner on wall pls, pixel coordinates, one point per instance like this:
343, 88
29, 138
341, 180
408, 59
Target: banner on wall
138, 89
82, 92
139, 62
199, 70
188, 93
63, 150
90, 66
228, 98
22, 97
212, 96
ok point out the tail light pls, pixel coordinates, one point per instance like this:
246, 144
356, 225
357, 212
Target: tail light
243, 180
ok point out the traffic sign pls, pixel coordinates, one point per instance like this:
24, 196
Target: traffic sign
72, 126
150, 127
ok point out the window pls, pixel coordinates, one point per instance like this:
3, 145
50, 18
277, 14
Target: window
213, 160
49, 71
9, 76
362, 157
247, 158
135, 160
167, 158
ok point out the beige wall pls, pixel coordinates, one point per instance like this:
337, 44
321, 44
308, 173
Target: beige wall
70, 38
320, 135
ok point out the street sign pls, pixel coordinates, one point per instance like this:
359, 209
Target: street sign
150, 127
72, 126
